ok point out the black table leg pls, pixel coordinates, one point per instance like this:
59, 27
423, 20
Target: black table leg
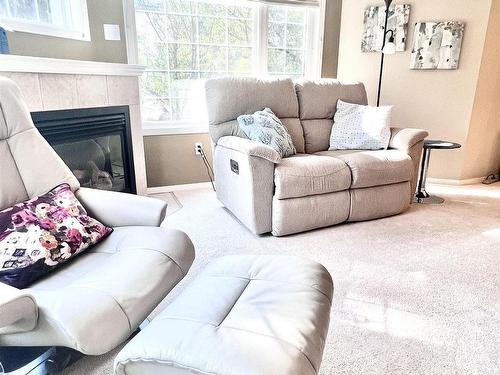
424, 168
422, 196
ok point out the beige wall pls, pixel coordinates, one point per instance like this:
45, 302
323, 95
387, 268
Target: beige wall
439, 101
170, 159
482, 149
98, 49
331, 38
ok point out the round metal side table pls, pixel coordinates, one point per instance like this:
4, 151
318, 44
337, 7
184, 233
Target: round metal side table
422, 196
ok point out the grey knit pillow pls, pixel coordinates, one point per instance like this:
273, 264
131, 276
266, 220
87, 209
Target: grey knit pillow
263, 126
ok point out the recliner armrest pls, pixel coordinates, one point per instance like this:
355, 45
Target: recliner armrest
249, 147
18, 310
121, 209
405, 138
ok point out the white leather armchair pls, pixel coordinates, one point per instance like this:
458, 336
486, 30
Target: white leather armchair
121, 210
18, 310
97, 300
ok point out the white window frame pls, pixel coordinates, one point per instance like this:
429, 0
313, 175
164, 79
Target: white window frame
312, 59
312, 68
49, 30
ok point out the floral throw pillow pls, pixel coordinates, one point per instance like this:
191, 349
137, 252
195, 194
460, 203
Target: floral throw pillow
40, 234
263, 126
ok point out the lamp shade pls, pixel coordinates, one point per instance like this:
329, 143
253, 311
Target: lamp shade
389, 48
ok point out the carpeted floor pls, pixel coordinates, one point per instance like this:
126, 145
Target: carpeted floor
417, 293
173, 203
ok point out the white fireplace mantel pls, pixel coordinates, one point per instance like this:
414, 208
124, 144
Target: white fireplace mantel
29, 64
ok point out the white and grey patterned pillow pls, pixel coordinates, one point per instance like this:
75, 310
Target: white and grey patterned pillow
360, 127
263, 126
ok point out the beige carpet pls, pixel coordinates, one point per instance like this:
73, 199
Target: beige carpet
173, 203
417, 293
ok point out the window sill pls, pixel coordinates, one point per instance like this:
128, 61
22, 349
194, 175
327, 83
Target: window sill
32, 28
30, 64
172, 130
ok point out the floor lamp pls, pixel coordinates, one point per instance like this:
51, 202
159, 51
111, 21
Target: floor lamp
388, 48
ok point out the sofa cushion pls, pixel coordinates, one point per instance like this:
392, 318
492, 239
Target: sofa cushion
229, 97
379, 201
314, 211
317, 105
303, 175
318, 99
374, 168
317, 134
294, 127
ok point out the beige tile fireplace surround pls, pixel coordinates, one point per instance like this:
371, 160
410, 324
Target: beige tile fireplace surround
52, 84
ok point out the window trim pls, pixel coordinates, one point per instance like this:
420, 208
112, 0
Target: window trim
48, 30
173, 127
260, 23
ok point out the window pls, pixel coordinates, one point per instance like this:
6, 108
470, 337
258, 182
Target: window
61, 18
183, 42
286, 44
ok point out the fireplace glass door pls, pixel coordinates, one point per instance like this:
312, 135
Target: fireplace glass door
94, 143
96, 162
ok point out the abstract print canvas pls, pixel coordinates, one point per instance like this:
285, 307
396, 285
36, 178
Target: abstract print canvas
437, 45
373, 32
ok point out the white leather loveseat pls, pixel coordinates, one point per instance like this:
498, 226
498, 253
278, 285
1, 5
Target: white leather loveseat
316, 187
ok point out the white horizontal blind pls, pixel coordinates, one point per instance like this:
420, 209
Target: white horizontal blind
308, 3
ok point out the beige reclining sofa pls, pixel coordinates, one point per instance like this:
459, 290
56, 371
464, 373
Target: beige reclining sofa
316, 187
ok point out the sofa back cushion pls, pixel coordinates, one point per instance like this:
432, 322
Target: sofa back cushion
228, 98
317, 106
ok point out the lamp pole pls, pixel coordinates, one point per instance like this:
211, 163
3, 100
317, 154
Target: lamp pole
387, 5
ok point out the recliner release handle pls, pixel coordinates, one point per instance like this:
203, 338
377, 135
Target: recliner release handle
234, 166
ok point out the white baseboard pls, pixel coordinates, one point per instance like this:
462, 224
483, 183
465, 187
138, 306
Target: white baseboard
203, 185
446, 181
168, 189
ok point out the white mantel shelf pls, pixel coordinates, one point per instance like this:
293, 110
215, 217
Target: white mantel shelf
28, 64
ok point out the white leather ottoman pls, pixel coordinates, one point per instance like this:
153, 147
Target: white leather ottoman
242, 315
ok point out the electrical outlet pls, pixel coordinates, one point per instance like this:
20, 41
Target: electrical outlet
197, 148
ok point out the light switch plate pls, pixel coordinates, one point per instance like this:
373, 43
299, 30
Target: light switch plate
111, 32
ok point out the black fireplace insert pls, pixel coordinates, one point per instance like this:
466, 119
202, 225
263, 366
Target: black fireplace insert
95, 143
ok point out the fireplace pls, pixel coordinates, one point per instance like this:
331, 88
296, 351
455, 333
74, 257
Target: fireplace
95, 143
